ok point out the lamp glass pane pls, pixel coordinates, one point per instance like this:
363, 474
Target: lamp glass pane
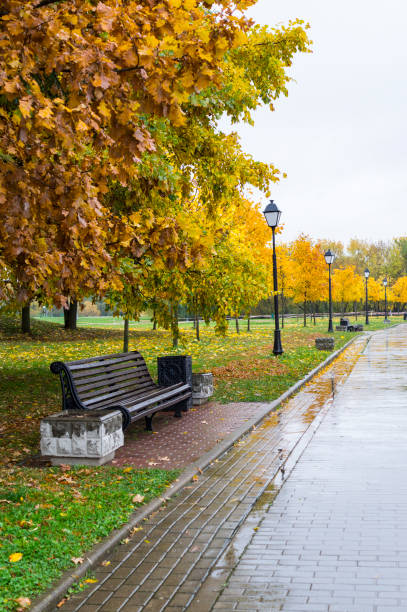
272, 218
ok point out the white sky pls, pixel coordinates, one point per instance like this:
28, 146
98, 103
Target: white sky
341, 134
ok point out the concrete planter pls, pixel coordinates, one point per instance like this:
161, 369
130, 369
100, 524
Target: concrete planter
202, 388
80, 437
325, 344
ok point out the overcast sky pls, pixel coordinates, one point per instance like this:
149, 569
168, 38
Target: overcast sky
341, 134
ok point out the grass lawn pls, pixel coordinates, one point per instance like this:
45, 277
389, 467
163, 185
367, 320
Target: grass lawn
50, 516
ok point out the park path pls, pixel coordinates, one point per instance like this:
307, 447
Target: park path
335, 539
184, 553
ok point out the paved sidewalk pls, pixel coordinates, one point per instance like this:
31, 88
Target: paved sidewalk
335, 539
168, 564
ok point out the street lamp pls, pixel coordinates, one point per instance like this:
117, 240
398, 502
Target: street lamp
386, 320
329, 258
367, 274
273, 214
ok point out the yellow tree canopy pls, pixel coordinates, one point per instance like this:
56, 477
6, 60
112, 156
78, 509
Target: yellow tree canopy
347, 286
398, 292
308, 274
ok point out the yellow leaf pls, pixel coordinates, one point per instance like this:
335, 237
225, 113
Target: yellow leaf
103, 110
14, 557
91, 580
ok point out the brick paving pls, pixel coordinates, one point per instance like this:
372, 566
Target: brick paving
173, 562
335, 538
176, 443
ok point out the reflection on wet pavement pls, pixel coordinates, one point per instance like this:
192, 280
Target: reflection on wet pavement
335, 537
185, 552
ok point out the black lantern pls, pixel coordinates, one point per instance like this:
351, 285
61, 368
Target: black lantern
329, 258
367, 274
272, 215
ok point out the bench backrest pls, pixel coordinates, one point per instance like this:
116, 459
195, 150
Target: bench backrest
103, 381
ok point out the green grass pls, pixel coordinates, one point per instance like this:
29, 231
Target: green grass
52, 516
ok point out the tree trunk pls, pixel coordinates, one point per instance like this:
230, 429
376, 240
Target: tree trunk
315, 319
248, 322
126, 336
70, 315
355, 309
237, 325
197, 327
154, 321
25, 319
174, 326
305, 313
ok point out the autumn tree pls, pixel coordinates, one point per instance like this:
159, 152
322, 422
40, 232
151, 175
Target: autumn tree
347, 286
78, 85
398, 292
308, 282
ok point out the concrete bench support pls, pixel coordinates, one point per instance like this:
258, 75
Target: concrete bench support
79, 437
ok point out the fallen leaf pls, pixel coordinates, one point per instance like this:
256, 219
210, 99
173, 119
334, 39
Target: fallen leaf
163, 458
195, 478
61, 603
91, 580
105, 563
152, 463
125, 541
23, 602
14, 557
127, 469
77, 560
137, 499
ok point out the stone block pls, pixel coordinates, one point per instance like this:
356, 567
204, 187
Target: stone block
325, 344
341, 328
202, 388
81, 437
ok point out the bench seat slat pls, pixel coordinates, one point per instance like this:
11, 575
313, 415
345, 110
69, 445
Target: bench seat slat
130, 397
97, 388
163, 396
95, 363
80, 375
167, 404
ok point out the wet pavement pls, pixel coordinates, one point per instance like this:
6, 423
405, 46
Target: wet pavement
335, 538
272, 547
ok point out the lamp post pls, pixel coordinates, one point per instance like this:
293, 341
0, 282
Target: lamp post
329, 258
386, 320
367, 274
273, 214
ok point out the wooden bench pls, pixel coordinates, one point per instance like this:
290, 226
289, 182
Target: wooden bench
118, 382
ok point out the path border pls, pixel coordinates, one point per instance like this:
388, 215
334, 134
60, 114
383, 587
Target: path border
54, 594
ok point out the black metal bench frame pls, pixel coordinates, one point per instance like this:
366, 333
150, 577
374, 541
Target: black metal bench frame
118, 382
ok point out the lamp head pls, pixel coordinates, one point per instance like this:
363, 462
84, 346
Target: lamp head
329, 257
367, 273
272, 214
